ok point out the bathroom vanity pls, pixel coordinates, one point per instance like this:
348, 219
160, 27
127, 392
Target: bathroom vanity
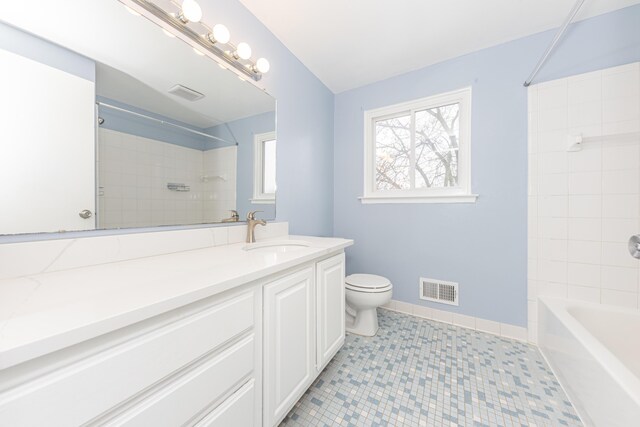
131, 333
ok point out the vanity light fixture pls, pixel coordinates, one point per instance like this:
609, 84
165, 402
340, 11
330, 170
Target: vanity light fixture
191, 12
219, 34
184, 22
243, 50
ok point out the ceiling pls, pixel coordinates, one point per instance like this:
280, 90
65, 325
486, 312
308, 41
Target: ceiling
350, 43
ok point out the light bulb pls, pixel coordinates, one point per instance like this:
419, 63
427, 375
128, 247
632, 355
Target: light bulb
243, 50
221, 34
262, 65
191, 10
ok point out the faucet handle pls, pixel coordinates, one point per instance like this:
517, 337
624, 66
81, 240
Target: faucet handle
234, 213
252, 215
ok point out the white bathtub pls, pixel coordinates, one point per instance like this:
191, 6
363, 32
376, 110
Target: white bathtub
594, 350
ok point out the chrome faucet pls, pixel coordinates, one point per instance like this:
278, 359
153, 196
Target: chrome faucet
233, 218
251, 225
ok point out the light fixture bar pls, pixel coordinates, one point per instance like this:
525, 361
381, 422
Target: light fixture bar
164, 19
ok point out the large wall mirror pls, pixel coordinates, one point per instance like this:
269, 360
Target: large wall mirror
109, 122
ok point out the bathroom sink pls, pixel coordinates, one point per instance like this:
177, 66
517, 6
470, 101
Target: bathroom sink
277, 246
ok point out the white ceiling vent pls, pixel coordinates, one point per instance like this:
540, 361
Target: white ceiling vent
439, 291
186, 93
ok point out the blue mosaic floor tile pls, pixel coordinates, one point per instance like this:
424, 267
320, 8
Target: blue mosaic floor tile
418, 372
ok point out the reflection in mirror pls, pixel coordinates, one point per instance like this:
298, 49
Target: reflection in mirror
135, 128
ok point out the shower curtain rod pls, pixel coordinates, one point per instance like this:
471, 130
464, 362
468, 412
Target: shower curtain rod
104, 104
556, 39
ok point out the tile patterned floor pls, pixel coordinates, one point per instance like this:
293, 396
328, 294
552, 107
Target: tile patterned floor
417, 372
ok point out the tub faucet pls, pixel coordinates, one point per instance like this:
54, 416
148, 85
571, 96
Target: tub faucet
251, 225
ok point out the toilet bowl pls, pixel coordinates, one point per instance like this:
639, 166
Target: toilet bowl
364, 294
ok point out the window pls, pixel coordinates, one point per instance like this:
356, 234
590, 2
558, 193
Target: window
264, 170
418, 151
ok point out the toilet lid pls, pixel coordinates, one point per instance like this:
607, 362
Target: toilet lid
367, 281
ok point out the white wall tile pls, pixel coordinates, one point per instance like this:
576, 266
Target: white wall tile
489, 326
585, 206
553, 271
620, 206
553, 94
583, 293
532, 289
553, 162
619, 229
553, 228
588, 159
583, 274
617, 156
464, 321
583, 251
585, 229
620, 278
584, 88
619, 298
585, 183
422, 311
554, 141
552, 184
404, 307
621, 181
442, 316
617, 254
532, 329
532, 310
513, 332
554, 249
554, 290
552, 206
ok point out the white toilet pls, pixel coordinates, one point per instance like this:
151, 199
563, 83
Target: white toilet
364, 294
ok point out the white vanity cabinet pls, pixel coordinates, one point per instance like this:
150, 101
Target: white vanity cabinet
167, 371
303, 330
330, 301
241, 356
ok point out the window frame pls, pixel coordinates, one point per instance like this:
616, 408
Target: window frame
458, 194
259, 197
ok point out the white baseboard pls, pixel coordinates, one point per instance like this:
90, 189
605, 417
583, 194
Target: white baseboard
504, 330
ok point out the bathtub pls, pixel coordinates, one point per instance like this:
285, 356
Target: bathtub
594, 350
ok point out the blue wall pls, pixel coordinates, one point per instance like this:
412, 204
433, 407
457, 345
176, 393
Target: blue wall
242, 131
483, 246
305, 123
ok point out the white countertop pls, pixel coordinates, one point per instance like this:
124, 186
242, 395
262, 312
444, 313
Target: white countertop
45, 312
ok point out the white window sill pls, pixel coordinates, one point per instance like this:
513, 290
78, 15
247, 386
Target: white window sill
459, 198
263, 201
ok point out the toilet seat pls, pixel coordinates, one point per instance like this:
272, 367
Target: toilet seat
369, 283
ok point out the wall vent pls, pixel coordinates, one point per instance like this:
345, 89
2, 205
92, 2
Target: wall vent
186, 93
439, 291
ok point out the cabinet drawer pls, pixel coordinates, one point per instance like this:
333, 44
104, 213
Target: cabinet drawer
178, 402
237, 410
83, 390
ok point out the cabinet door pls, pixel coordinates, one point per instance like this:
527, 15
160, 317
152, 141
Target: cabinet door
330, 308
289, 342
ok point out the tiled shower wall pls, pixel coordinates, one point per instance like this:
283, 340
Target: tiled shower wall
133, 173
584, 205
